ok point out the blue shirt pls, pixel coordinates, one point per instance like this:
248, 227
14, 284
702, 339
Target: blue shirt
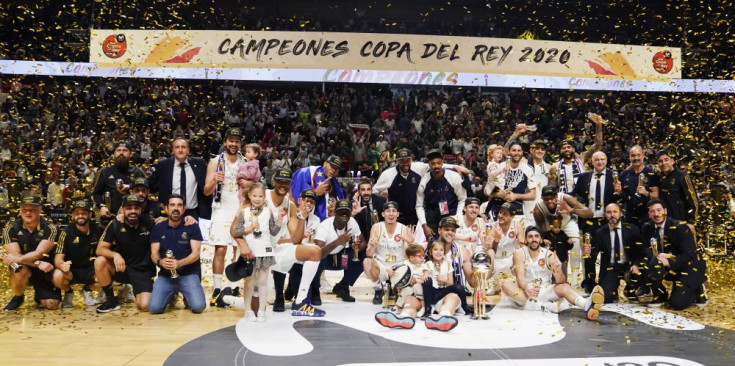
177, 239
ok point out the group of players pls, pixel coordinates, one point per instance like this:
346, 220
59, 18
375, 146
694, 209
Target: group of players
540, 233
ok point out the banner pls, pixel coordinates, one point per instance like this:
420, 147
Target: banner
368, 51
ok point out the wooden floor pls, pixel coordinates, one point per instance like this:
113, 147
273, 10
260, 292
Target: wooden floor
79, 336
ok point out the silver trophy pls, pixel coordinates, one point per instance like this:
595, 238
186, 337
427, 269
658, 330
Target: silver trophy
170, 255
481, 264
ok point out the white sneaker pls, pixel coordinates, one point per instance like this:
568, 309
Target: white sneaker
261, 317
551, 306
68, 301
325, 286
250, 316
89, 299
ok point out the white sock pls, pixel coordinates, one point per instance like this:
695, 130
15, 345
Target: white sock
564, 305
445, 313
234, 301
582, 303
405, 314
217, 279
307, 275
377, 285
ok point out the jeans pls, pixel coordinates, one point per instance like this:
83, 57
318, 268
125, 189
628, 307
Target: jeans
164, 288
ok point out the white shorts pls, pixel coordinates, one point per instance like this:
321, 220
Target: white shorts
285, 255
502, 269
547, 293
219, 234
204, 225
383, 270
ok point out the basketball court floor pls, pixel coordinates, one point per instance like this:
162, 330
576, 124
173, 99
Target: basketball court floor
625, 334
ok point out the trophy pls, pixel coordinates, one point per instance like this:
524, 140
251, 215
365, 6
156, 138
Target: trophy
641, 182
616, 178
254, 211
480, 269
552, 176
108, 200
354, 241
586, 245
654, 247
374, 217
15, 266
218, 188
170, 255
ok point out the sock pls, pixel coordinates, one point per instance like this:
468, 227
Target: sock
217, 281
108, 292
405, 314
582, 303
307, 274
564, 305
445, 313
279, 279
377, 285
234, 301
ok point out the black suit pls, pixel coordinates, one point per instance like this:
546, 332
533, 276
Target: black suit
582, 192
612, 272
687, 268
162, 179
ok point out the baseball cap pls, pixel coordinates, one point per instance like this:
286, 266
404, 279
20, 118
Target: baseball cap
139, 182
549, 191
449, 220
472, 200
434, 154
390, 204
335, 160
233, 132
31, 199
343, 205
403, 154
282, 174
308, 193
130, 198
83, 204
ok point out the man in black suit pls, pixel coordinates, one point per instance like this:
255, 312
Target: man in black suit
167, 178
677, 259
594, 189
622, 252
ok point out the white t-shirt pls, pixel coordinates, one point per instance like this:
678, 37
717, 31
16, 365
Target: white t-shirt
326, 232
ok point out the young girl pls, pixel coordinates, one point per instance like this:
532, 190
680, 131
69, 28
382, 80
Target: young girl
495, 157
441, 285
254, 229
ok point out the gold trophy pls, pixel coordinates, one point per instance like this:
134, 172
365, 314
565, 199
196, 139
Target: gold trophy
355, 247
480, 270
15, 266
586, 246
552, 176
254, 211
170, 255
374, 217
654, 247
641, 182
616, 178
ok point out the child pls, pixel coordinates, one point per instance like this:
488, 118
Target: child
254, 229
558, 241
495, 157
415, 262
440, 272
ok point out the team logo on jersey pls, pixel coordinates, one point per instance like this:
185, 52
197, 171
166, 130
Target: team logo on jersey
511, 234
40, 232
111, 177
122, 230
541, 262
76, 240
184, 236
474, 227
163, 237
397, 238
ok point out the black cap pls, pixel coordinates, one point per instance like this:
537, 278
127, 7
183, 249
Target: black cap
124, 143
390, 204
335, 160
130, 198
538, 142
233, 132
449, 220
239, 270
308, 193
343, 205
282, 174
549, 191
434, 154
140, 182
403, 154
471, 200
513, 208
663, 152
84, 204
568, 141
31, 199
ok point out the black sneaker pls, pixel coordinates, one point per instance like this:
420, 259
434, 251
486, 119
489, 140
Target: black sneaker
15, 303
701, 299
316, 299
236, 291
378, 298
220, 300
342, 290
109, 305
279, 305
288, 294
213, 300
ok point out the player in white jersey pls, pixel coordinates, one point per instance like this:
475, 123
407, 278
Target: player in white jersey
534, 267
386, 248
506, 236
221, 183
571, 166
471, 230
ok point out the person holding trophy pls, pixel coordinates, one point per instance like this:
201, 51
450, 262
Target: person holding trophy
175, 248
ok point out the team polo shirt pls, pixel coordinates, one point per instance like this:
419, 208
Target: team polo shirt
133, 243
28, 241
79, 247
178, 240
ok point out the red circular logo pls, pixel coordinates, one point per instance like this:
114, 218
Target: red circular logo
662, 62
474, 227
397, 237
541, 262
512, 234
114, 46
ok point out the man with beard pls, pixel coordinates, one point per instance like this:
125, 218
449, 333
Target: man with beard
506, 235
75, 255
115, 180
180, 271
471, 230
386, 248
221, 184
676, 191
634, 192
571, 166
518, 184
622, 251
401, 182
321, 179
124, 255
28, 240
557, 204
534, 267
440, 194
677, 259
334, 235
595, 190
